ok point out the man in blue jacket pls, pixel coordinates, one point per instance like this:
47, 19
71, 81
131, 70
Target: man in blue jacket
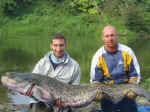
115, 63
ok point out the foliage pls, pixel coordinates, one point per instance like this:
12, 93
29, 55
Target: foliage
101, 6
90, 6
31, 33
14, 7
134, 13
146, 84
136, 19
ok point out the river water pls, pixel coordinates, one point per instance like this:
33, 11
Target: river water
17, 98
8, 96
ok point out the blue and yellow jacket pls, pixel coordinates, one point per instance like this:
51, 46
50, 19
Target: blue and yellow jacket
118, 67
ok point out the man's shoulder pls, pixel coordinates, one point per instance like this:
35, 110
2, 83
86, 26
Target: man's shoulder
73, 61
127, 49
124, 47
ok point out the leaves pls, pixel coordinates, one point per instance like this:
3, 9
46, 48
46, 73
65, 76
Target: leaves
11, 7
89, 6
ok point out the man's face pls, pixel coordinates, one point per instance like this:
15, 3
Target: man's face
109, 36
58, 46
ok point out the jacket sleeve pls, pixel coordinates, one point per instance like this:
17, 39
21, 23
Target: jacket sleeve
39, 67
134, 69
76, 75
96, 73
99, 75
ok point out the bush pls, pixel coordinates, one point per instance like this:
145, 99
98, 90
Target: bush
14, 7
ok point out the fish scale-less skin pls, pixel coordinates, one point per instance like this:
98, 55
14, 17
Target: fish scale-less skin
117, 92
70, 95
48, 89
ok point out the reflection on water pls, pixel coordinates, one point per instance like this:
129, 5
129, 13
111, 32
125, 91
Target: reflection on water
3, 95
14, 60
17, 98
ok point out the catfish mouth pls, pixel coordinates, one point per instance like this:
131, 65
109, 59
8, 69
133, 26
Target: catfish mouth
23, 88
20, 86
8, 81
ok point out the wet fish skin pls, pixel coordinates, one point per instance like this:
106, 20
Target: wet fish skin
115, 93
48, 89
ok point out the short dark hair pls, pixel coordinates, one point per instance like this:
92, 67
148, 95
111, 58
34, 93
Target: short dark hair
58, 36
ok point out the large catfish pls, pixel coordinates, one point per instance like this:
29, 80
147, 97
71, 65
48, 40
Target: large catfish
50, 90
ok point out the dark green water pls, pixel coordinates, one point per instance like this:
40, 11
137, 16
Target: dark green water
13, 60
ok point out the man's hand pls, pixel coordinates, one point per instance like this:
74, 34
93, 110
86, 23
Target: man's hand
131, 95
99, 95
96, 83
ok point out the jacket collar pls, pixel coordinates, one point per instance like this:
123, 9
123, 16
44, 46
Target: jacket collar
66, 54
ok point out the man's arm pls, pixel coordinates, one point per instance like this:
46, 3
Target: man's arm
134, 69
93, 66
39, 67
99, 75
133, 74
96, 70
76, 75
